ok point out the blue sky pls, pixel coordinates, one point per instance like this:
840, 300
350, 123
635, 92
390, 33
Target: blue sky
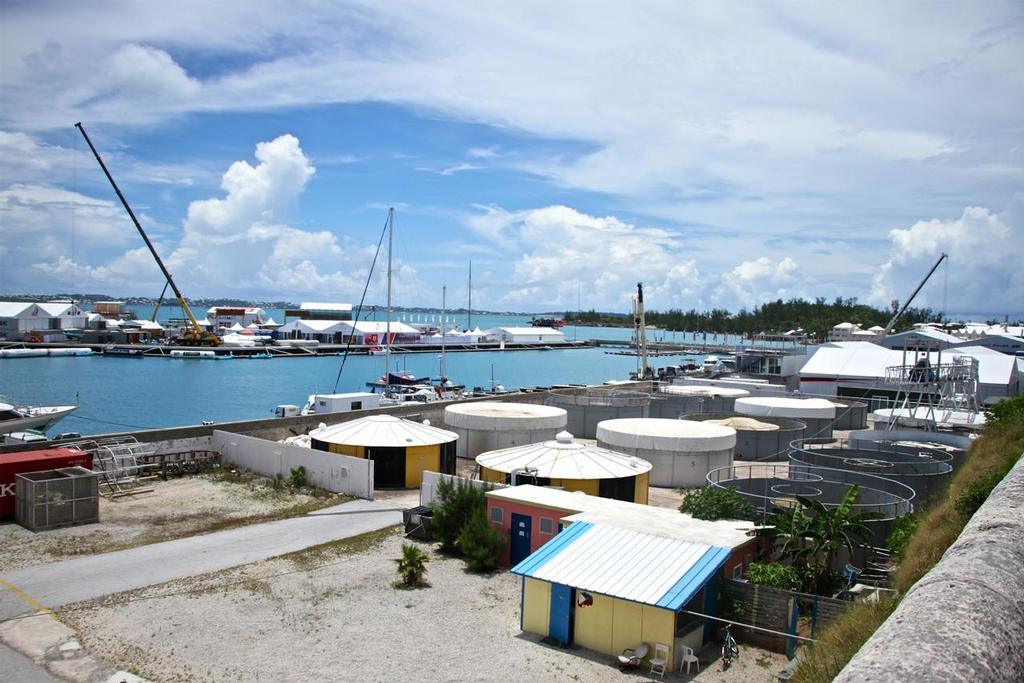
725, 154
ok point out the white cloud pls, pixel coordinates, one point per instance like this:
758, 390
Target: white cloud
561, 247
986, 250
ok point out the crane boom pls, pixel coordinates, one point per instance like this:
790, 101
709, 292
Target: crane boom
197, 328
910, 299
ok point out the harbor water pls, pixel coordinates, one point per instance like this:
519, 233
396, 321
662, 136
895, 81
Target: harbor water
118, 394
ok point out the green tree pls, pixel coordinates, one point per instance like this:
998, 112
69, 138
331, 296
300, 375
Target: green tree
482, 544
713, 503
412, 565
454, 504
297, 477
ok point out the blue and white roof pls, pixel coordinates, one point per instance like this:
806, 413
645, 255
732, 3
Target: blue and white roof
626, 564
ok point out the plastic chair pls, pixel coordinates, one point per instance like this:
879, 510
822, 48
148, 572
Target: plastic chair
660, 659
690, 658
631, 657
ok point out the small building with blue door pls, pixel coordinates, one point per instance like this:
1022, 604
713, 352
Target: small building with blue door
607, 588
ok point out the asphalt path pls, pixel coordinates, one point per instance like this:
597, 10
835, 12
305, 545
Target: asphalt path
85, 578
15, 666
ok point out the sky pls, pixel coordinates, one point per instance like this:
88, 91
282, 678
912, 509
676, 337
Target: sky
725, 154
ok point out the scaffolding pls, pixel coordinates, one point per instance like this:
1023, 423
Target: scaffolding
122, 464
933, 390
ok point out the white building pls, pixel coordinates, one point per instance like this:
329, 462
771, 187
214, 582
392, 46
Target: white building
853, 332
1003, 343
920, 337
223, 317
29, 321
317, 310
338, 331
859, 369
524, 335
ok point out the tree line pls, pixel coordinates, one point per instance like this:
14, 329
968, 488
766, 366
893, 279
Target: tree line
816, 317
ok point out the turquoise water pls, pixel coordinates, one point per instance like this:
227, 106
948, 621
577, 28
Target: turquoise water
130, 393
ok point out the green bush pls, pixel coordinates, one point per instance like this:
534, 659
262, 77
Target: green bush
903, 529
480, 543
297, 477
774, 575
712, 503
1007, 411
976, 493
454, 504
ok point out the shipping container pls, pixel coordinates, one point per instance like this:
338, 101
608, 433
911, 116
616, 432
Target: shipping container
34, 461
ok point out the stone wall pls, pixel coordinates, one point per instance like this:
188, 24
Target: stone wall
964, 620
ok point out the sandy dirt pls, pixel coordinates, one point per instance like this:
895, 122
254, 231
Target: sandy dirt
334, 615
176, 508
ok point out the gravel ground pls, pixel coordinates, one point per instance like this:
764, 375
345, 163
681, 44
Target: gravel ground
175, 508
334, 615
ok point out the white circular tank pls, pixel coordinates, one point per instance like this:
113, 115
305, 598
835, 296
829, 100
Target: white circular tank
817, 413
492, 425
681, 452
674, 400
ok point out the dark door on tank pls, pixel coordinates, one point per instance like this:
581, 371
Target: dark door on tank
388, 467
619, 489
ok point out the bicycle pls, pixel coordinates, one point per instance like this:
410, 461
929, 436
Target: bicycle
730, 648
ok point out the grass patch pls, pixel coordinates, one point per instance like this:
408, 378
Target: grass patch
988, 461
318, 555
841, 640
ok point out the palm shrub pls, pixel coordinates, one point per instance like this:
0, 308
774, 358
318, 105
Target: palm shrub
454, 504
482, 544
297, 477
412, 565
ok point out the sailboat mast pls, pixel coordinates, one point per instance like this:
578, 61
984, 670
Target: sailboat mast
641, 323
387, 333
469, 314
444, 314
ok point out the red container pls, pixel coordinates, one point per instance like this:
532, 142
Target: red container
34, 461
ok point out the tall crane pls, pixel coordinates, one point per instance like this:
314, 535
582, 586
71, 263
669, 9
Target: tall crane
196, 336
910, 299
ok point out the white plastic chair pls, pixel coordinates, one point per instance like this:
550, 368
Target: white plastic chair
660, 659
690, 658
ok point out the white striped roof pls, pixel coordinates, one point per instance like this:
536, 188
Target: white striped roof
383, 431
623, 564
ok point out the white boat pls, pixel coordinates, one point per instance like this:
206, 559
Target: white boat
195, 355
23, 353
20, 418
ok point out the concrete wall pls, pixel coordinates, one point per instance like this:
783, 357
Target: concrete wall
329, 471
473, 442
672, 468
428, 485
964, 620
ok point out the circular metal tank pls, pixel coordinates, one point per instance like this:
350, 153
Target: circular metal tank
674, 400
681, 452
489, 425
586, 410
570, 465
776, 486
925, 470
817, 413
755, 442
850, 414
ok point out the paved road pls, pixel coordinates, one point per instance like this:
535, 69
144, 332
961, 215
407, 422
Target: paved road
86, 578
15, 666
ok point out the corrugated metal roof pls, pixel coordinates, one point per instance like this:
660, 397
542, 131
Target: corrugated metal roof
625, 564
11, 309
383, 431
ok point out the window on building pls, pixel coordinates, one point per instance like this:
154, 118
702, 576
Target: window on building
497, 515
357, 405
737, 571
547, 526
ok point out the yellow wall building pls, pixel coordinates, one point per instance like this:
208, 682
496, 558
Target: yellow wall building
571, 465
401, 450
593, 586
